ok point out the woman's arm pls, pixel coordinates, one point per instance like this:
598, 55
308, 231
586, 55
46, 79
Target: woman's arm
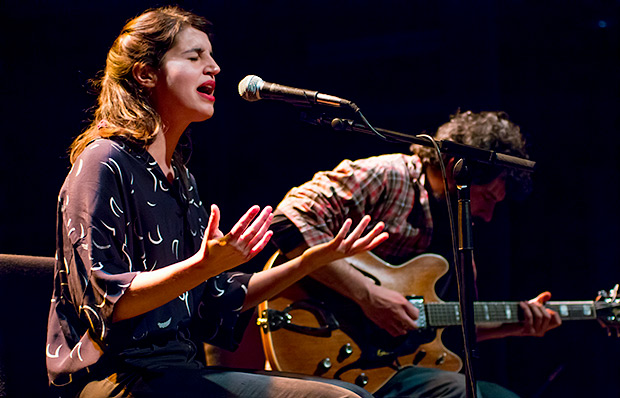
218, 253
266, 284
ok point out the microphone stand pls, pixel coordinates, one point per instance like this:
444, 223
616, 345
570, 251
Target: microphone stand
465, 271
464, 262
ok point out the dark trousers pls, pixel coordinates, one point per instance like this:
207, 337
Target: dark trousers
218, 382
416, 382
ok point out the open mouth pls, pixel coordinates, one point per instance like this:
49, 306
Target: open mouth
207, 88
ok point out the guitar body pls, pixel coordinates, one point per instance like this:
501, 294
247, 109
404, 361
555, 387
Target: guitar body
356, 350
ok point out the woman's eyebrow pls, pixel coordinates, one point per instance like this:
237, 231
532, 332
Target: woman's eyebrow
198, 50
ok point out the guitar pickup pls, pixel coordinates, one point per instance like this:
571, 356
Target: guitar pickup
418, 302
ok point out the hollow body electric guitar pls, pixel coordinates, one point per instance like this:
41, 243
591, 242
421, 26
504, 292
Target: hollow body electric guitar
311, 329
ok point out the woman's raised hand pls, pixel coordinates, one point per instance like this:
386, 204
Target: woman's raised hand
345, 246
246, 239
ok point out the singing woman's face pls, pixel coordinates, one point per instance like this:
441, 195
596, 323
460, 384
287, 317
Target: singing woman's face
185, 85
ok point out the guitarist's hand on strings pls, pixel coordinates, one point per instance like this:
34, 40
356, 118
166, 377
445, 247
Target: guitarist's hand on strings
537, 320
390, 310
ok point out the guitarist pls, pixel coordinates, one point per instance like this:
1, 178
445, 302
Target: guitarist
407, 193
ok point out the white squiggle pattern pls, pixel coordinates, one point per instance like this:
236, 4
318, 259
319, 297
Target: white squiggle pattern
124, 249
108, 166
79, 170
219, 291
64, 260
165, 324
185, 298
49, 354
90, 310
100, 247
175, 248
155, 179
115, 207
96, 266
77, 349
105, 296
158, 241
120, 173
112, 229
230, 279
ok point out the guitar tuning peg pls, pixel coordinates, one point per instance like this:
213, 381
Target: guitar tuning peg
614, 292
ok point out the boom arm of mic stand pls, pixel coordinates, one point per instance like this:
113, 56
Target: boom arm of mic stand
449, 147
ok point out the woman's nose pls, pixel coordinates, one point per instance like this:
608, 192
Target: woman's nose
212, 68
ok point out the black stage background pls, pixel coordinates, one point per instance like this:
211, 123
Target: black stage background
552, 65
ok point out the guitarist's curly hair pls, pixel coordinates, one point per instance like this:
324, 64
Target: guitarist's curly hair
487, 130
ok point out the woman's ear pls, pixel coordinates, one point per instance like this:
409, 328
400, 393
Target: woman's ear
144, 74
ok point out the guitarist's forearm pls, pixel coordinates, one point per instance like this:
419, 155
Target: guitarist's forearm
345, 279
489, 332
340, 276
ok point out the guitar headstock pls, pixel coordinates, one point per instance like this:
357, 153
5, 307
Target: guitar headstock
607, 307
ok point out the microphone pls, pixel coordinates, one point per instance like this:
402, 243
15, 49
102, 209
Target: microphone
253, 88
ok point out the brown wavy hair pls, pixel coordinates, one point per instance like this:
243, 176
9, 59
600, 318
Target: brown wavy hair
123, 105
487, 130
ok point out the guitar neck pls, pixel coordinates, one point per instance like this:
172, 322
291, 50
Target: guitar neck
448, 314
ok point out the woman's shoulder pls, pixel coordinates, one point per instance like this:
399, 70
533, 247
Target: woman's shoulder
103, 149
105, 159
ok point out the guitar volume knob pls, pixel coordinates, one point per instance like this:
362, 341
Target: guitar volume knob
325, 363
441, 359
419, 356
345, 352
361, 380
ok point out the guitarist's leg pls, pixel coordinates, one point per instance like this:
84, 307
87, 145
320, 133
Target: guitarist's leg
416, 382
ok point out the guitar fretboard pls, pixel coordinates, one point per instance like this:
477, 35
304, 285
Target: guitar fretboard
448, 314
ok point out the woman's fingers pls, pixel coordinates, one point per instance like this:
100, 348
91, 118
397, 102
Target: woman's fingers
377, 240
342, 233
372, 239
264, 227
214, 222
357, 232
355, 242
261, 223
243, 222
249, 237
261, 244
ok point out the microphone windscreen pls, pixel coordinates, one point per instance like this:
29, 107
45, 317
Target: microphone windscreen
249, 87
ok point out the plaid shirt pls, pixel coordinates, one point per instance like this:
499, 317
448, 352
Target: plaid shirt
389, 188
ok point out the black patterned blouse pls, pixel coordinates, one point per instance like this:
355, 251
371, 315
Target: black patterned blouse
118, 216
